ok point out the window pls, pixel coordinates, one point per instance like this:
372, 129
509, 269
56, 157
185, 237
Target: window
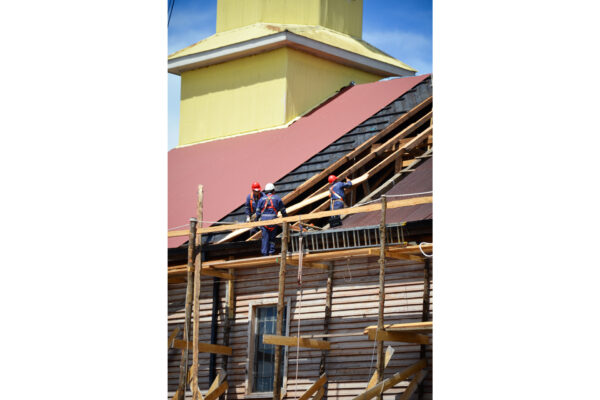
261, 360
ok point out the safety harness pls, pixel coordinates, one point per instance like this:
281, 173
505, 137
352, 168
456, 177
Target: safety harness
338, 197
271, 206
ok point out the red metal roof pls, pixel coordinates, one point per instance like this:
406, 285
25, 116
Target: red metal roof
226, 168
419, 181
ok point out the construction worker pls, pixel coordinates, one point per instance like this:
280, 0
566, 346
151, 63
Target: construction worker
267, 208
251, 202
337, 197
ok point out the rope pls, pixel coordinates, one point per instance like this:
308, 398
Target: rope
300, 251
425, 254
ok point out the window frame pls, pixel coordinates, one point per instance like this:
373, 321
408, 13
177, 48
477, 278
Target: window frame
252, 305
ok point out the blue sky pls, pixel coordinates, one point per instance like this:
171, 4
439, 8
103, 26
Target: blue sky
401, 28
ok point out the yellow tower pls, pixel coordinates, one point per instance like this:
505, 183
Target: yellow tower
270, 62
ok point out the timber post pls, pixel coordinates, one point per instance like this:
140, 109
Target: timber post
328, 298
228, 318
197, 272
280, 310
380, 358
425, 316
188, 304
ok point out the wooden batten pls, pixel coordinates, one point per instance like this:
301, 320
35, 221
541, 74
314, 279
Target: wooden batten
300, 218
390, 382
381, 336
412, 386
412, 327
314, 387
293, 341
203, 347
388, 356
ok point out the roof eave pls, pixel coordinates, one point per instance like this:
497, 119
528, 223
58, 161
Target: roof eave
282, 39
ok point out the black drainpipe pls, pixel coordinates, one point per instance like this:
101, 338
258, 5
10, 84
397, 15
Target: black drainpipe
216, 299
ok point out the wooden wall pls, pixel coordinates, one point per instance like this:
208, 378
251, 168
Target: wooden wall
351, 359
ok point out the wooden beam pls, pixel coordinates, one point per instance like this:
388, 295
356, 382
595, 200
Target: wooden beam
280, 310
292, 341
380, 360
320, 393
197, 283
173, 335
203, 347
401, 256
299, 218
308, 264
413, 327
188, 307
217, 392
412, 386
314, 387
407, 337
375, 378
322, 256
391, 381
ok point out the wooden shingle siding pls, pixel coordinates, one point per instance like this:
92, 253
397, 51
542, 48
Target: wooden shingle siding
351, 359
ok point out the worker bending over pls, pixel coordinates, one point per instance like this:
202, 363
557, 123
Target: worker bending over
251, 202
267, 208
337, 197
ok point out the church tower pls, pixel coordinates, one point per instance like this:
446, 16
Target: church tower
271, 61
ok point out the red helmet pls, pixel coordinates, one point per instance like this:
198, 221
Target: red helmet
256, 186
332, 178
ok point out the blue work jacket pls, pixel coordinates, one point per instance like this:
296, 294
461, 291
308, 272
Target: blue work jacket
336, 192
251, 203
268, 206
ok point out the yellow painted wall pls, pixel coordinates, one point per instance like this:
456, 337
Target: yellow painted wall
257, 92
341, 15
233, 97
311, 80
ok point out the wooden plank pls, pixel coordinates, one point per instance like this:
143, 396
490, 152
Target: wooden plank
391, 381
407, 337
412, 386
217, 392
299, 218
292, 341
375, 378
197, 283
314, 387
329, 255
426, 326
280, 310
173, 335
320, 393
308, 264
203, 347
401, 256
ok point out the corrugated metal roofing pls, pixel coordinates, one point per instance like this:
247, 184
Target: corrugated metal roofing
418, 181
227, 167
319, 33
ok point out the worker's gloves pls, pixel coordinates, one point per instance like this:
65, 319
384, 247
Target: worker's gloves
253, 218
247, 218
278, 214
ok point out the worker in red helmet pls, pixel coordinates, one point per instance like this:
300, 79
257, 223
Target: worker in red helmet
251, 202
337, 197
